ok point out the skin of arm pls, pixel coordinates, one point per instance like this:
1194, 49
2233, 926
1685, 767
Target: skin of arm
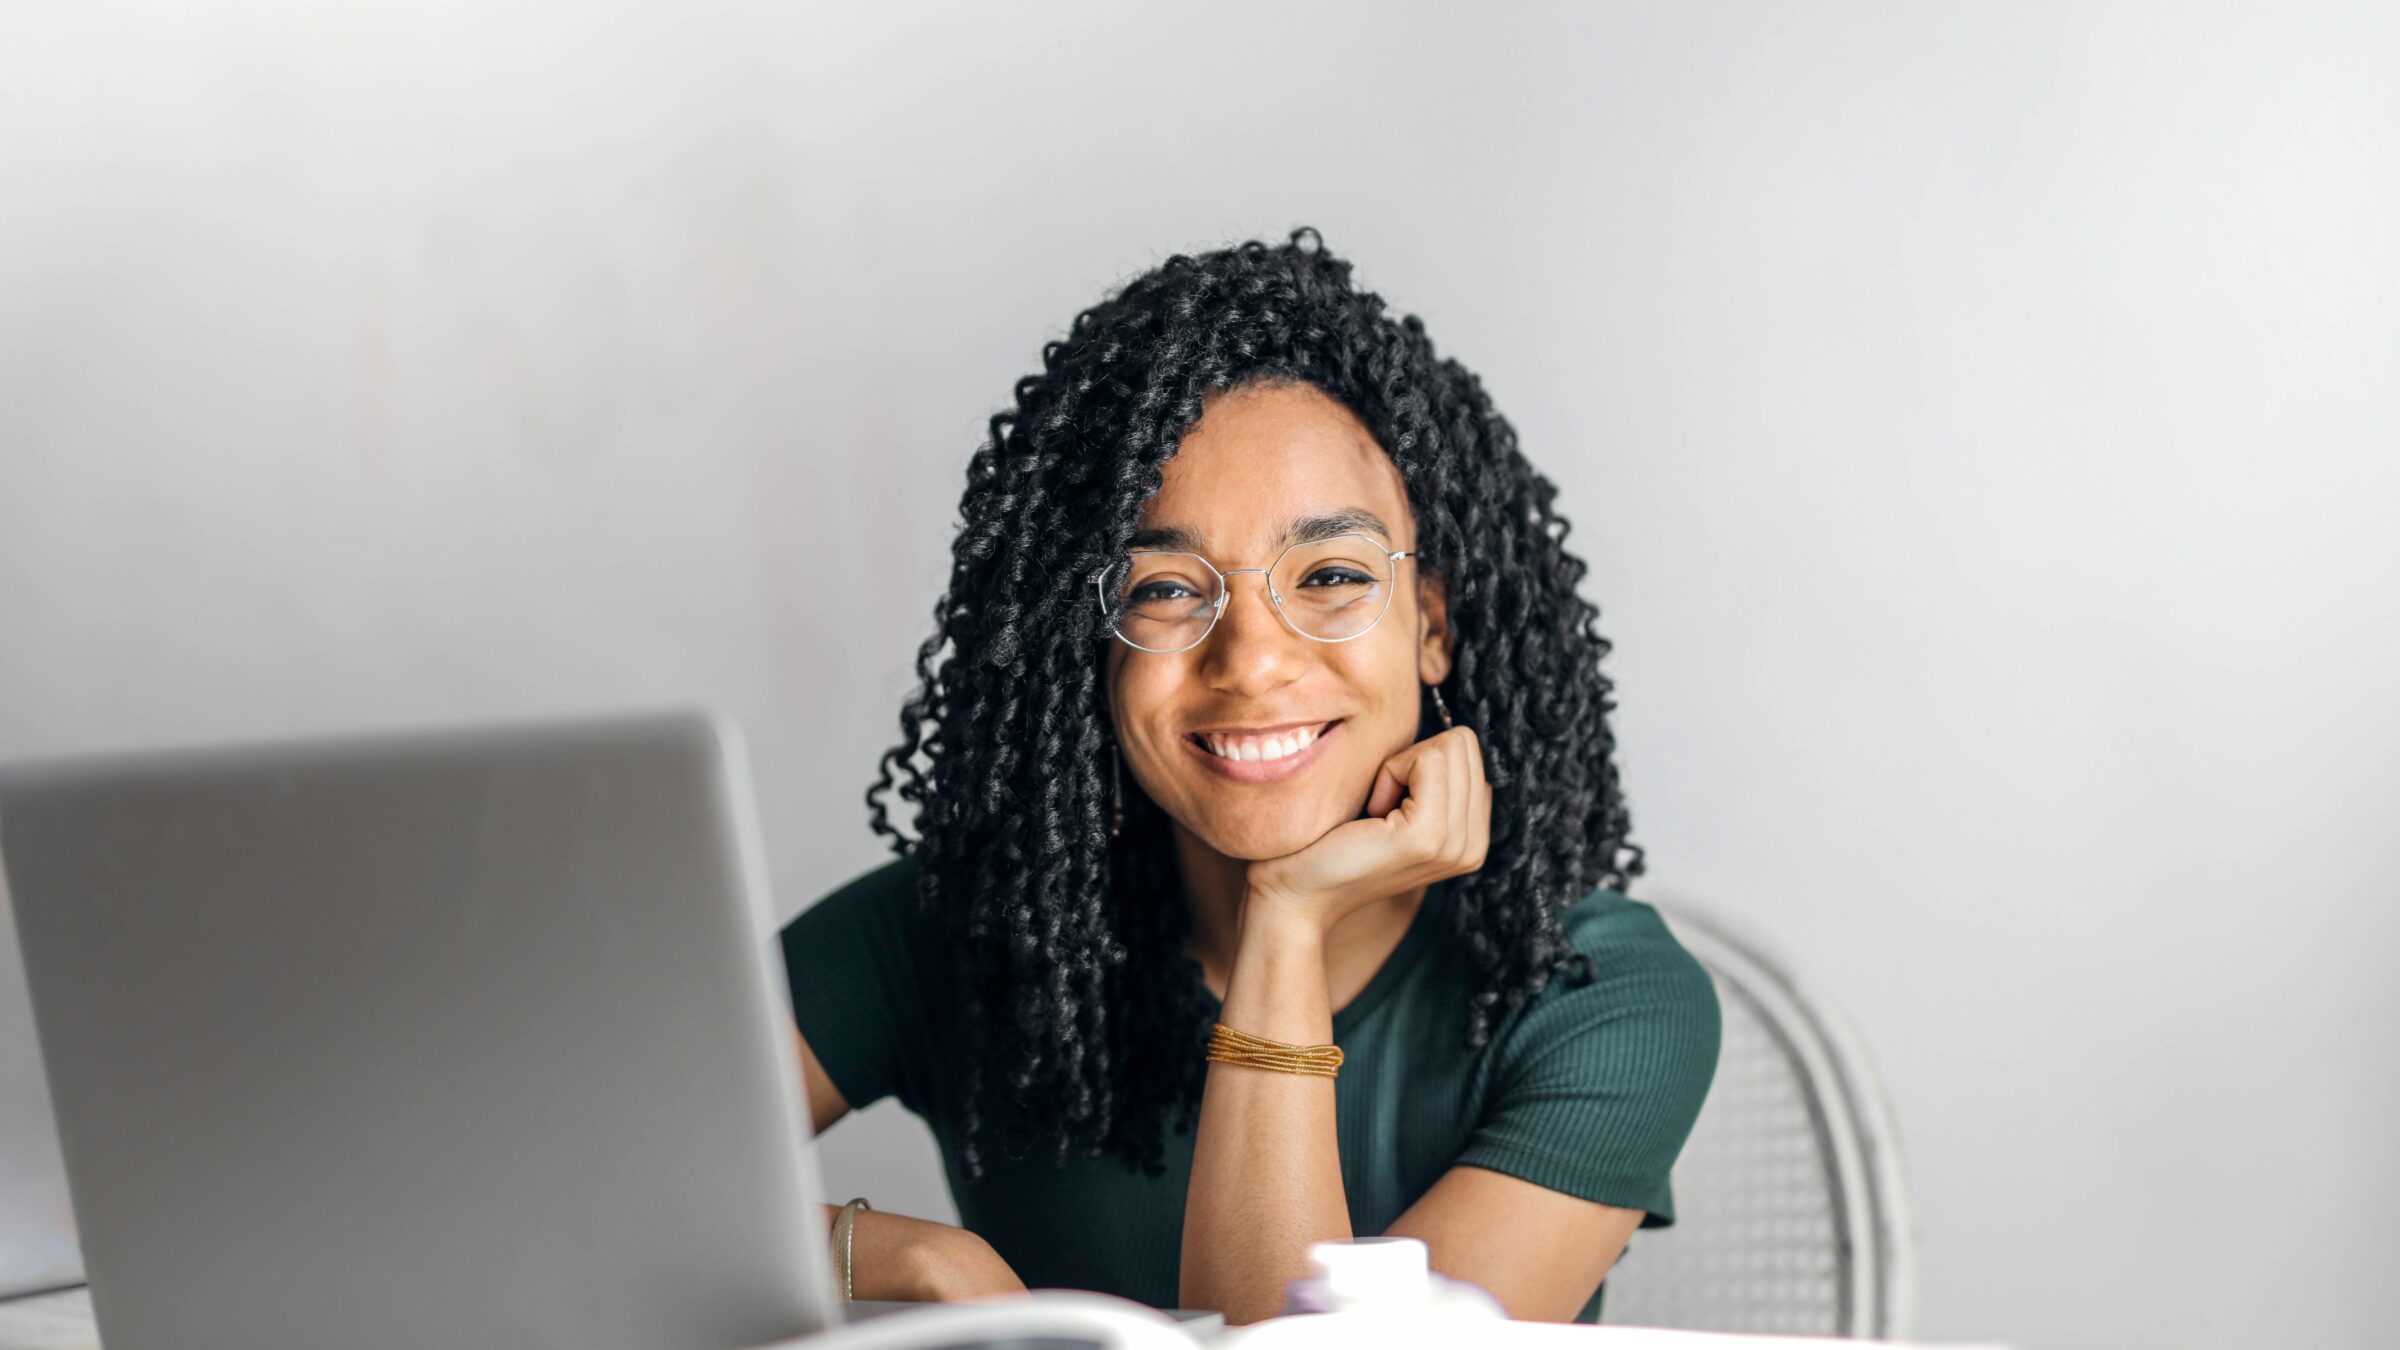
1539, 1251
893, 1256
1266, 1171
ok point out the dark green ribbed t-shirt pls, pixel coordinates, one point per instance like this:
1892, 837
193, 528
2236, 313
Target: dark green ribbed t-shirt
1590, 1091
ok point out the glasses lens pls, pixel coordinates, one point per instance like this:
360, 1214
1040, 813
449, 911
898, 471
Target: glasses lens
1162, 602
1335, 588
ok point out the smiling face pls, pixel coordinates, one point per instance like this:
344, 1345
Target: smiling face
1261, 460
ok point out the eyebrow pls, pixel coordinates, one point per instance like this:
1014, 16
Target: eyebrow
1305, 530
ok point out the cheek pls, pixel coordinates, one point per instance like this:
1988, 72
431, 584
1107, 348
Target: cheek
1387, 691
1131, 693
1140, 706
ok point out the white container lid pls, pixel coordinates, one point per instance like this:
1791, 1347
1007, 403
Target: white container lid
1371, 1271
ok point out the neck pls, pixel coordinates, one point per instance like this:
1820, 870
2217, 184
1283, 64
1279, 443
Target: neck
1214, 888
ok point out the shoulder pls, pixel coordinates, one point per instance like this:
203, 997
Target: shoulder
890, 882
1650, 1008
1629, 939
874, 915
882, 897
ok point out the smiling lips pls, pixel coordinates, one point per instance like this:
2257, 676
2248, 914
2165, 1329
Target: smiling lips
1261, 757
1263, 746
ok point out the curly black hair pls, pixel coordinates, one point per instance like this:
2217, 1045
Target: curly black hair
1084, 1016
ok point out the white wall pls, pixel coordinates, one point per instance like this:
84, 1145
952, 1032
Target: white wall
1978, 418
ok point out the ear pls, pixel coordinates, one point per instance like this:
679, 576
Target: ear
1434, 638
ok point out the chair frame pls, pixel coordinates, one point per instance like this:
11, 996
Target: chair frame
1854, 1116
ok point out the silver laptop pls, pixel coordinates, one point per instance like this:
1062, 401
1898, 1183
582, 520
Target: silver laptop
444, 1039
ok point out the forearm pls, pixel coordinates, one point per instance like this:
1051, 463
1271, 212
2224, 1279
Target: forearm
1266, 1164
893, 1256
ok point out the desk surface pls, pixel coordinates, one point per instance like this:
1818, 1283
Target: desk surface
56, 1321
63, 1321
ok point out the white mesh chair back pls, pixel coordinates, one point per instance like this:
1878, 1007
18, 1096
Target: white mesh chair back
1791, 1213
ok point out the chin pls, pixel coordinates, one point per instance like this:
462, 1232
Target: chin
1251, 841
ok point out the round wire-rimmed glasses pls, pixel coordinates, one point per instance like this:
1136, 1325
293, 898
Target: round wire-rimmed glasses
1327, 590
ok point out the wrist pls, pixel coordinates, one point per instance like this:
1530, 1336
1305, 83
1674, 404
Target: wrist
1278, 948
918, 1260
1271, 918
1278, 987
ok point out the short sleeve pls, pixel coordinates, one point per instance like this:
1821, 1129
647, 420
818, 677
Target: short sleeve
1597, 1087
854, 960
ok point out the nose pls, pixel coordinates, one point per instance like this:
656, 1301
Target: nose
1251, 650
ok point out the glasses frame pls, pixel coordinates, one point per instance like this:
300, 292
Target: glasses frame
1275, 598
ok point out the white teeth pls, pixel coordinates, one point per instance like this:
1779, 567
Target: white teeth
1263, 747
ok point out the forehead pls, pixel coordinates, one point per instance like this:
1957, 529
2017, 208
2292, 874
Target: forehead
1261, 459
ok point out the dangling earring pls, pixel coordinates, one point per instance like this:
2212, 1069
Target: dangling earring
1116, 795
1441, 707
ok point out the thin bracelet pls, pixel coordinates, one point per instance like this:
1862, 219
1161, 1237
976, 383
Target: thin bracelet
842, 1224
1228, 1046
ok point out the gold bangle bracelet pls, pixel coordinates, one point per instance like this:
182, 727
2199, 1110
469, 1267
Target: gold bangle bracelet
1228, 1046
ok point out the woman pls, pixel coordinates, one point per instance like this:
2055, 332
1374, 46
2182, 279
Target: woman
1269, 704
